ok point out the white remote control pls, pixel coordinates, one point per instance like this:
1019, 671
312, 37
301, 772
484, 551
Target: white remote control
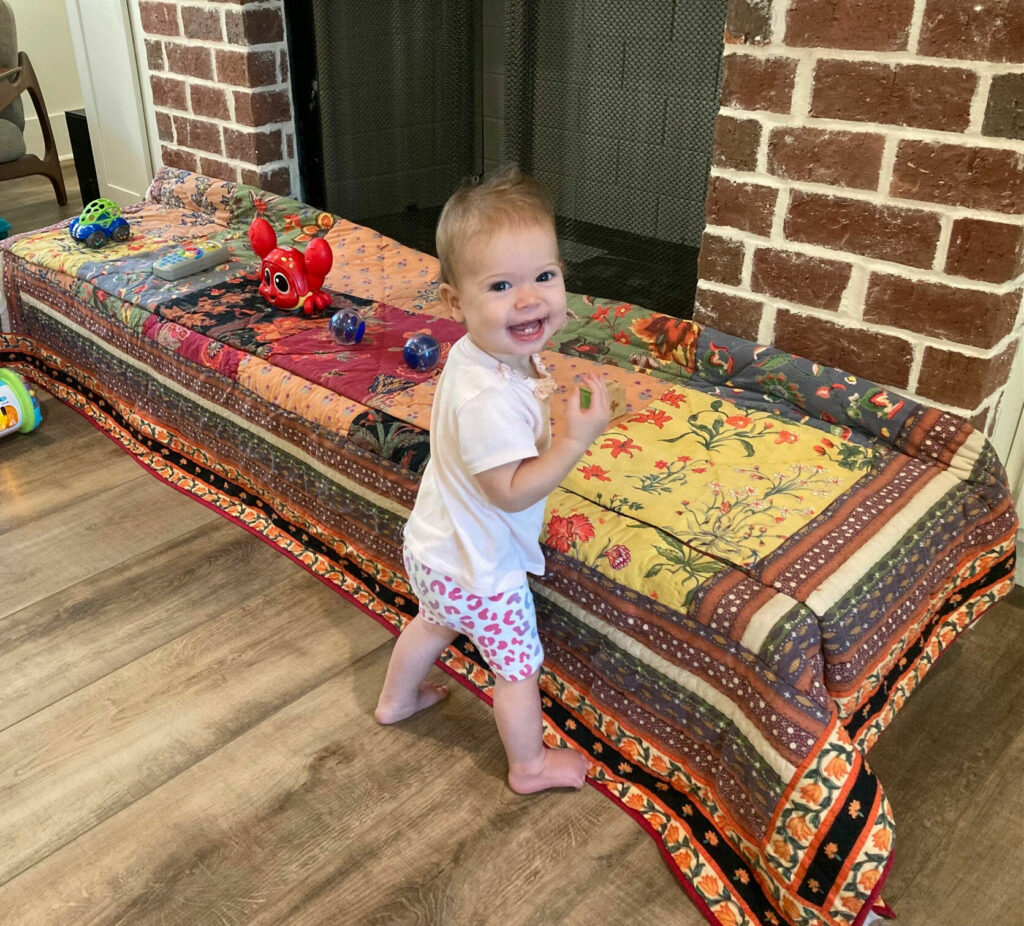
190, 258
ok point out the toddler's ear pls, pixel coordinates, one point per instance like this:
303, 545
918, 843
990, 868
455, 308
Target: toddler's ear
449, 296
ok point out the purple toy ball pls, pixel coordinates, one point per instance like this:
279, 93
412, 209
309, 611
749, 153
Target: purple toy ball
422, 352
347, 326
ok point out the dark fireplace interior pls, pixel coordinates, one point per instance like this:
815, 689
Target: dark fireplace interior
611, 104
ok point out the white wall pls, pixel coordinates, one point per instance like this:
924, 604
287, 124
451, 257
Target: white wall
45, 36
101, 35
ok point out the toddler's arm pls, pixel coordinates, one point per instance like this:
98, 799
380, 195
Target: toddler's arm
517, 485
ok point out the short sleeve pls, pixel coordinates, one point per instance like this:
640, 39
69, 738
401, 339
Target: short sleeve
496, 427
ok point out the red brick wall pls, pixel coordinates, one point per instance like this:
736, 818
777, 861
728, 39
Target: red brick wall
218, 72
866, 203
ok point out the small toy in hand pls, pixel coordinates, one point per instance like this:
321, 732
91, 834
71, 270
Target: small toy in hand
289, 276
19, 407
347, 326
422, 352
616, 397
99, 222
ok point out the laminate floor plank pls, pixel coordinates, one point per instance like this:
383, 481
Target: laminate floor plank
974, 873
72, 638
66, 768
29, 203
319, 815
94, 532
32, 491
948, 754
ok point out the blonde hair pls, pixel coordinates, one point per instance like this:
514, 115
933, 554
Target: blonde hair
507, 199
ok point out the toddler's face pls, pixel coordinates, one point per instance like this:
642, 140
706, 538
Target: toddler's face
510, 293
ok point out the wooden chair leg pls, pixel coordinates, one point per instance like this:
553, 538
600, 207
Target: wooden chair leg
49, 164
53, 170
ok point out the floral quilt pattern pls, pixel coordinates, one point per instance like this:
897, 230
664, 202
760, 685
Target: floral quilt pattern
731, 483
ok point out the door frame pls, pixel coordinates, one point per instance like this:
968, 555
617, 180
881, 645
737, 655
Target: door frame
107, 61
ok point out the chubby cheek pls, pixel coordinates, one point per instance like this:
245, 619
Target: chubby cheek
559, 316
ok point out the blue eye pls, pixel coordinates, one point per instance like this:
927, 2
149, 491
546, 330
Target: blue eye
546, 276
500, 286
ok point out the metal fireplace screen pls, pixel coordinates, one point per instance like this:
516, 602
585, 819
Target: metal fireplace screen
398, 102
611, 103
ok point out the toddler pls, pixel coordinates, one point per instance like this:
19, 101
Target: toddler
473, 534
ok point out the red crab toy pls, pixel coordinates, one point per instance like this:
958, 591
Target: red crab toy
290, 277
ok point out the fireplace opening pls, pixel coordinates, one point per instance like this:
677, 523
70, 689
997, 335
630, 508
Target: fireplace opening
611, 104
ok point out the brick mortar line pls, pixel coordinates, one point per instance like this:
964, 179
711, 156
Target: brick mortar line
916, 24
772, 120
888, 164
859, 324
747, 270
766, 330
803, 88
218, 84
1019, 323
218, 5
215, 44
779, 11
916, 362
873, 57
942, 245
778, 232
227, 124
979, 104
991, 403
230, 161
872, 197
875, 264
851, 304
762, 147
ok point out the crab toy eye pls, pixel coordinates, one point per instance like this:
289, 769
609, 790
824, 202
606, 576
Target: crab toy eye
281, 283
266, 275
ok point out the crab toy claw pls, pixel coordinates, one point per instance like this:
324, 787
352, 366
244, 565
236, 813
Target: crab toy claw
289, 278
315, 302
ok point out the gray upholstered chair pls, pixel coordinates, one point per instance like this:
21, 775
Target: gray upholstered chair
16, 78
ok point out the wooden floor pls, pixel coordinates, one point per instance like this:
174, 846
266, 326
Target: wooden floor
29, 202
186, 738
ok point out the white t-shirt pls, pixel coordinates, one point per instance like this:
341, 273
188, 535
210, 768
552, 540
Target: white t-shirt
484, 415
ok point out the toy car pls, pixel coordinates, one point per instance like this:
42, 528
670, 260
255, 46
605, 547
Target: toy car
99, 222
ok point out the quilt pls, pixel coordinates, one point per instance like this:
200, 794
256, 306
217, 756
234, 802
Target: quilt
747, 574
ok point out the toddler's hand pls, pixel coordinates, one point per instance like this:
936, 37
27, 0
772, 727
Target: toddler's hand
584, 425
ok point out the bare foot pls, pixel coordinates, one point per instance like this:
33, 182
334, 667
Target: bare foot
428, 694
560, 768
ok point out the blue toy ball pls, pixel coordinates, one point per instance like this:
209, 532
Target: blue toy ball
422, 352
347, 326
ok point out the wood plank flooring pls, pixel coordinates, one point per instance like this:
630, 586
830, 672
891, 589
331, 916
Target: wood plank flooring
29, 202
186, 737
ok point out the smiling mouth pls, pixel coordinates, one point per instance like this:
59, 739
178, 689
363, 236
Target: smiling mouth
527, 331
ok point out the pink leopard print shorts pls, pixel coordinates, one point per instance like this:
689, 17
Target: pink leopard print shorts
503, 627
